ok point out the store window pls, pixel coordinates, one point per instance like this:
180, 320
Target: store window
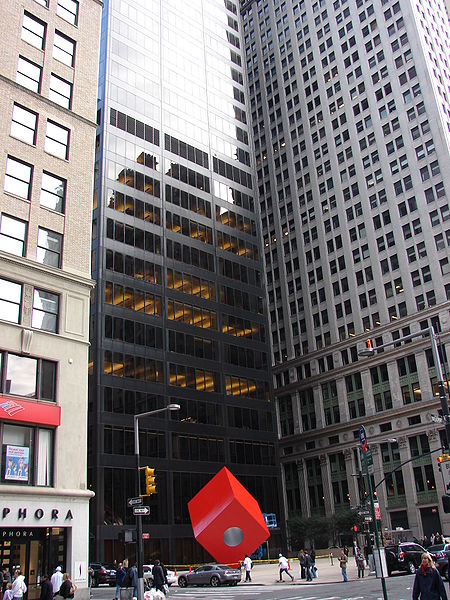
27, 455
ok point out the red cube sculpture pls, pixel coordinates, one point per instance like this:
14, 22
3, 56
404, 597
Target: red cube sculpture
226, 519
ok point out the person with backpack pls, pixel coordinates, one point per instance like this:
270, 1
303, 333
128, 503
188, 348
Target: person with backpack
67, 589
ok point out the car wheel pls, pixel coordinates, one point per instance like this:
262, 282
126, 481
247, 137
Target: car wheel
182, 582
411, 567
215, 581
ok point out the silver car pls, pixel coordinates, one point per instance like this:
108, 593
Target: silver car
213, 575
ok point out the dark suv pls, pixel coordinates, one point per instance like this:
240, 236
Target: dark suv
102, 574
405, 556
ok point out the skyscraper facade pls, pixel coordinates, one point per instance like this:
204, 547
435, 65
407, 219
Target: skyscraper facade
179, 311
48, 72
350, 112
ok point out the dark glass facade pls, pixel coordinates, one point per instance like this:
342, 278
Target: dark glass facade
178, 313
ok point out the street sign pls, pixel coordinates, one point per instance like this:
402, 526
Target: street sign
363, 513
445, 470
376, 506
363, 438
134, 501
368, 519
141, 510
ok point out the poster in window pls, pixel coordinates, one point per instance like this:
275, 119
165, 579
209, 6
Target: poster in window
16, 463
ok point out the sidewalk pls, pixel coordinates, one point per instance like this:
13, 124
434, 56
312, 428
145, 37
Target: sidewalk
268, 574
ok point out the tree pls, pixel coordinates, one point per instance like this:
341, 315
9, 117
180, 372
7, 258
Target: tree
320, 530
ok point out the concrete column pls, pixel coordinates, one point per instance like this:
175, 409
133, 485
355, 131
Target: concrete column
303, 487
352, 477
410, 490
326, 482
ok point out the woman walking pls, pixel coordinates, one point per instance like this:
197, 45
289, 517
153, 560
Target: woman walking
18, 587
428, 584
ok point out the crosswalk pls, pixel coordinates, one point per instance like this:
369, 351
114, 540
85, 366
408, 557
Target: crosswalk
255, 594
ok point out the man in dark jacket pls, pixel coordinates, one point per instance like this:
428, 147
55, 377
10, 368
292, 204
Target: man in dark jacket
46, 588
159, 578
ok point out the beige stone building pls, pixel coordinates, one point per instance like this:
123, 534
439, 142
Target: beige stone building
48, 83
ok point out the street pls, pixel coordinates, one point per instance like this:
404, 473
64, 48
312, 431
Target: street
399, 588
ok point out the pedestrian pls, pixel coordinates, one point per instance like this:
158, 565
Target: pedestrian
67, 589
308, 566
432, 538
360, 563
301, 560
437, 538
428, 584
331, 558
46, 588
159, 578
18, 587
120, 576
284, 567
343, 564
57, 578
8, 595
134, 580
346, 551
6, 578
313, 566
248, 567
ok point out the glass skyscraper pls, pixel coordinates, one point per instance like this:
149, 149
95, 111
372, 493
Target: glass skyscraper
178, 313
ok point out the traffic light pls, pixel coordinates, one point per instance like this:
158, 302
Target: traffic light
355, 528
446, 503
150, 481
443, 457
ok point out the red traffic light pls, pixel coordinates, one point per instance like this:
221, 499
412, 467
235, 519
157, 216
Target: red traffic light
355, 528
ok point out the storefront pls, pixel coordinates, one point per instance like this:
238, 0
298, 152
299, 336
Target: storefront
39, 533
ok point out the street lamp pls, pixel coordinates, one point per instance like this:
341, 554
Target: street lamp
140, 550
369, 351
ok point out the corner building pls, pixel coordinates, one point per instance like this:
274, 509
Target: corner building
48, 71
350, 115
179, 311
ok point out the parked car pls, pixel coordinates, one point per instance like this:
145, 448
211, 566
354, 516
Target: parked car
213, 575
102, 574
439, 550
405, 556
148, 576
441, 565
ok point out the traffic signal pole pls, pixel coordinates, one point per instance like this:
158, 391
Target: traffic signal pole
140, 548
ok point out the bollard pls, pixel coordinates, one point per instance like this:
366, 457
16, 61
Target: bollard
189, 568
175, 572
289, 565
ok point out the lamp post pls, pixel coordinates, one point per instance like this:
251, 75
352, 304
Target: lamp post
437, 364
140, 550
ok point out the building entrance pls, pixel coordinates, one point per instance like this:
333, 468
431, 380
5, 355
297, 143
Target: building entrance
36, 550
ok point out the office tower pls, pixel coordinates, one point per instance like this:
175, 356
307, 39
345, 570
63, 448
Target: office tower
48, 66
179, 314
350, 116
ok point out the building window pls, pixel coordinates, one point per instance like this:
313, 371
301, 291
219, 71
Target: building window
63, 49
29, 75
57, 140
27, 455
53, 192
49, 247
10, 299
24, 124
68, 10
28, 377
45, 311
33, 31
13, 233
60, 91
18, 178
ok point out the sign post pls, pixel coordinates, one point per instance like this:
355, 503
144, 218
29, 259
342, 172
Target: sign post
380, 557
